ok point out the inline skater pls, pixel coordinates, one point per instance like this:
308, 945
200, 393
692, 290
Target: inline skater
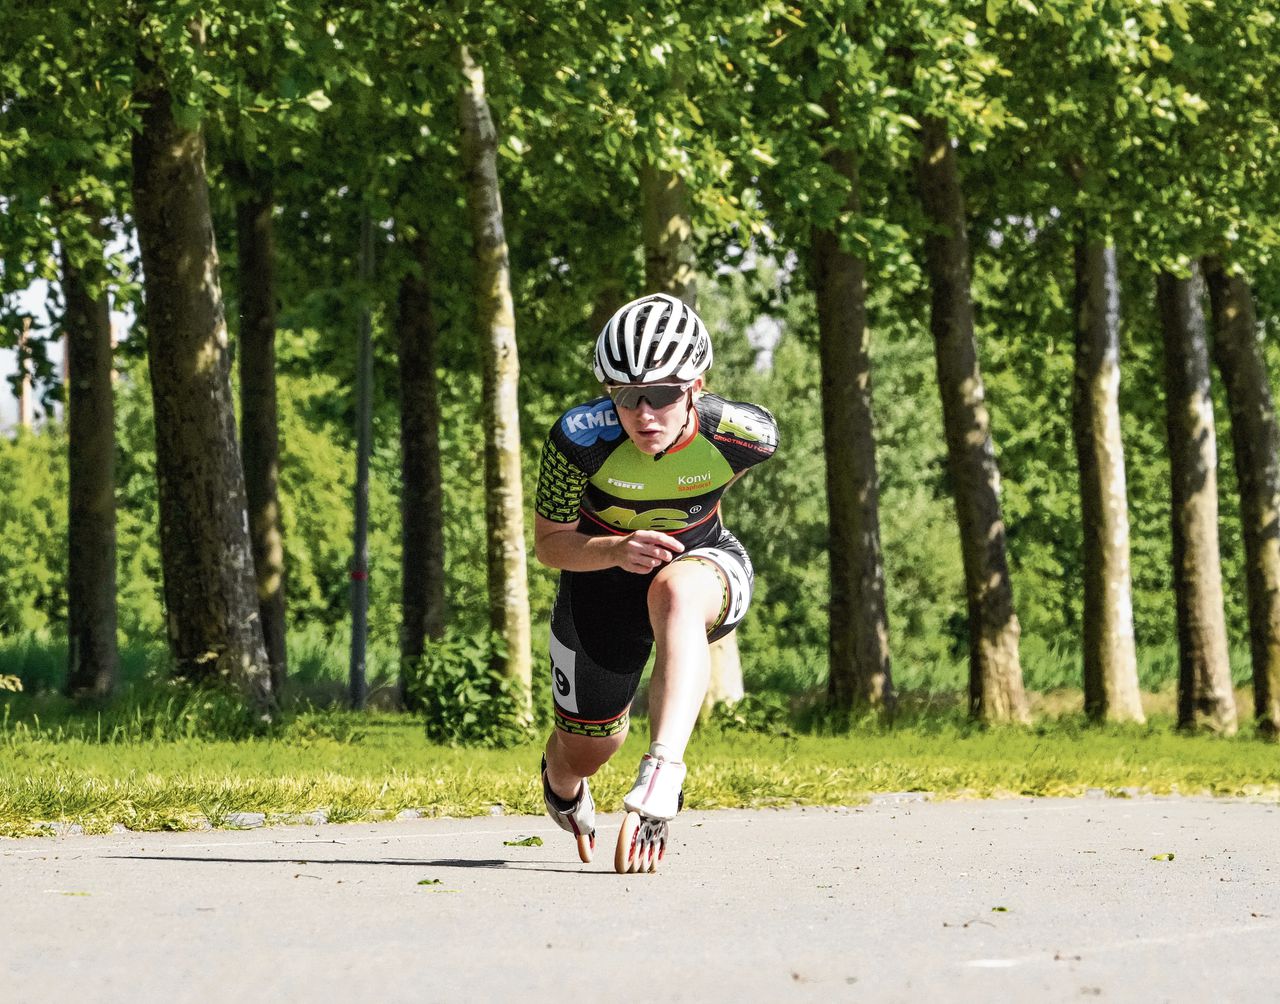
628, 508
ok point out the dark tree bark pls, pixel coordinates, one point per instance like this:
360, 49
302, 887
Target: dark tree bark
91, 506
422, 492
609, 299
1110, 661
858, 632
504, 507
259, 433
210, 599
995, 672
1238, 355
1205, 697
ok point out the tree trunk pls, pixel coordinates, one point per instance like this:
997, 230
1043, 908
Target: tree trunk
422, 490
1110, 660
1238, 354
609, 299
93, 660
858, 626
210, 600
995, 672
669, 267
1205, 696
260, 440
26, 399
357, 676
504, 507
667, 233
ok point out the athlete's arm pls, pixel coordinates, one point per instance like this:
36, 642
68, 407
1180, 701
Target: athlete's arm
560, 545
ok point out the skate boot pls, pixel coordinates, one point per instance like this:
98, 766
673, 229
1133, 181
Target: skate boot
578, 819
653, 800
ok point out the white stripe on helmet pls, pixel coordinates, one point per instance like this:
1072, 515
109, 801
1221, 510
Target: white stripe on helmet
672, 333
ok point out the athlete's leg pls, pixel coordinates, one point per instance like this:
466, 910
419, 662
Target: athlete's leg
700, 596
570, 758
595, 666
685, 601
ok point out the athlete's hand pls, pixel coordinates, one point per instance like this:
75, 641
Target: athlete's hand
643, 551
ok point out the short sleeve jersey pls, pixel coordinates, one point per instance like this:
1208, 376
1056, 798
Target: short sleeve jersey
592, 471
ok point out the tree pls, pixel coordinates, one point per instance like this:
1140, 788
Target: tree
822, 113
1257, 457
422, 491
495, 320
858, 652
1110, 658
64, 183
670, 268
91, 507
210, 599
1204, 680
667, 234
995, 672
259, 439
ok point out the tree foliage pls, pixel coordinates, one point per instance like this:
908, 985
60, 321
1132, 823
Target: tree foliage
1155, 121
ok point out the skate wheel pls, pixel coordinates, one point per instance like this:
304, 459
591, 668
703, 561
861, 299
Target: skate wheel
586, 846
625, 855
657, 845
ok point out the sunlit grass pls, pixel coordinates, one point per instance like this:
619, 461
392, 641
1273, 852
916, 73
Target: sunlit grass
162, 755
375, 766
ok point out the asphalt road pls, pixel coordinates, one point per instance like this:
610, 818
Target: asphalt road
1035, 899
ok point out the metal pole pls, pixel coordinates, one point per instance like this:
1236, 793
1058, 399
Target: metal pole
359, 687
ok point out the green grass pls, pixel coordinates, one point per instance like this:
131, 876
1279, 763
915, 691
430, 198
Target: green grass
371, 766
165, 756
318, 663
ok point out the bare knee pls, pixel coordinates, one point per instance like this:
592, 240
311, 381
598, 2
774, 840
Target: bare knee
686, 590
581, 756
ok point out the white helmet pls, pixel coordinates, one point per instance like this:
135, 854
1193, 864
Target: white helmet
654, 339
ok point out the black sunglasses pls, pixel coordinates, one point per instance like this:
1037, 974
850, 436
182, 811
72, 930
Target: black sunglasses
659, 395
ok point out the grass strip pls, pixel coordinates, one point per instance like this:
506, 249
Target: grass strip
379, 765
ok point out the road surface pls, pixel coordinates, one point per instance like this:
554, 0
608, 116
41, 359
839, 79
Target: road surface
901, 900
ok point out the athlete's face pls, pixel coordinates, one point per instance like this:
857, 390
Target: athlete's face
655, 429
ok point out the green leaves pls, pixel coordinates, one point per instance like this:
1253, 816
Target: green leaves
319, 101
464, 698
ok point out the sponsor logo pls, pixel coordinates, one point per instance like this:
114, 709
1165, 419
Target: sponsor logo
633, 485
693, 480
591, 423
650, 519
767, 450
748, 426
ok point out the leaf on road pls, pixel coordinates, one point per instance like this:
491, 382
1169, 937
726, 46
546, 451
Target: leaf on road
1162, 857
524, 842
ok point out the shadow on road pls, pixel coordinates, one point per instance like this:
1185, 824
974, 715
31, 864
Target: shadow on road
523, 866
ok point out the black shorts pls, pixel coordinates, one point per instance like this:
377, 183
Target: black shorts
601, 636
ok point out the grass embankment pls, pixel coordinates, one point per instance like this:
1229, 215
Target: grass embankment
145, 773
162, 756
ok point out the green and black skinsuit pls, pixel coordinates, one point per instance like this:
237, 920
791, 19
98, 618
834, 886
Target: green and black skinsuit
593, 473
